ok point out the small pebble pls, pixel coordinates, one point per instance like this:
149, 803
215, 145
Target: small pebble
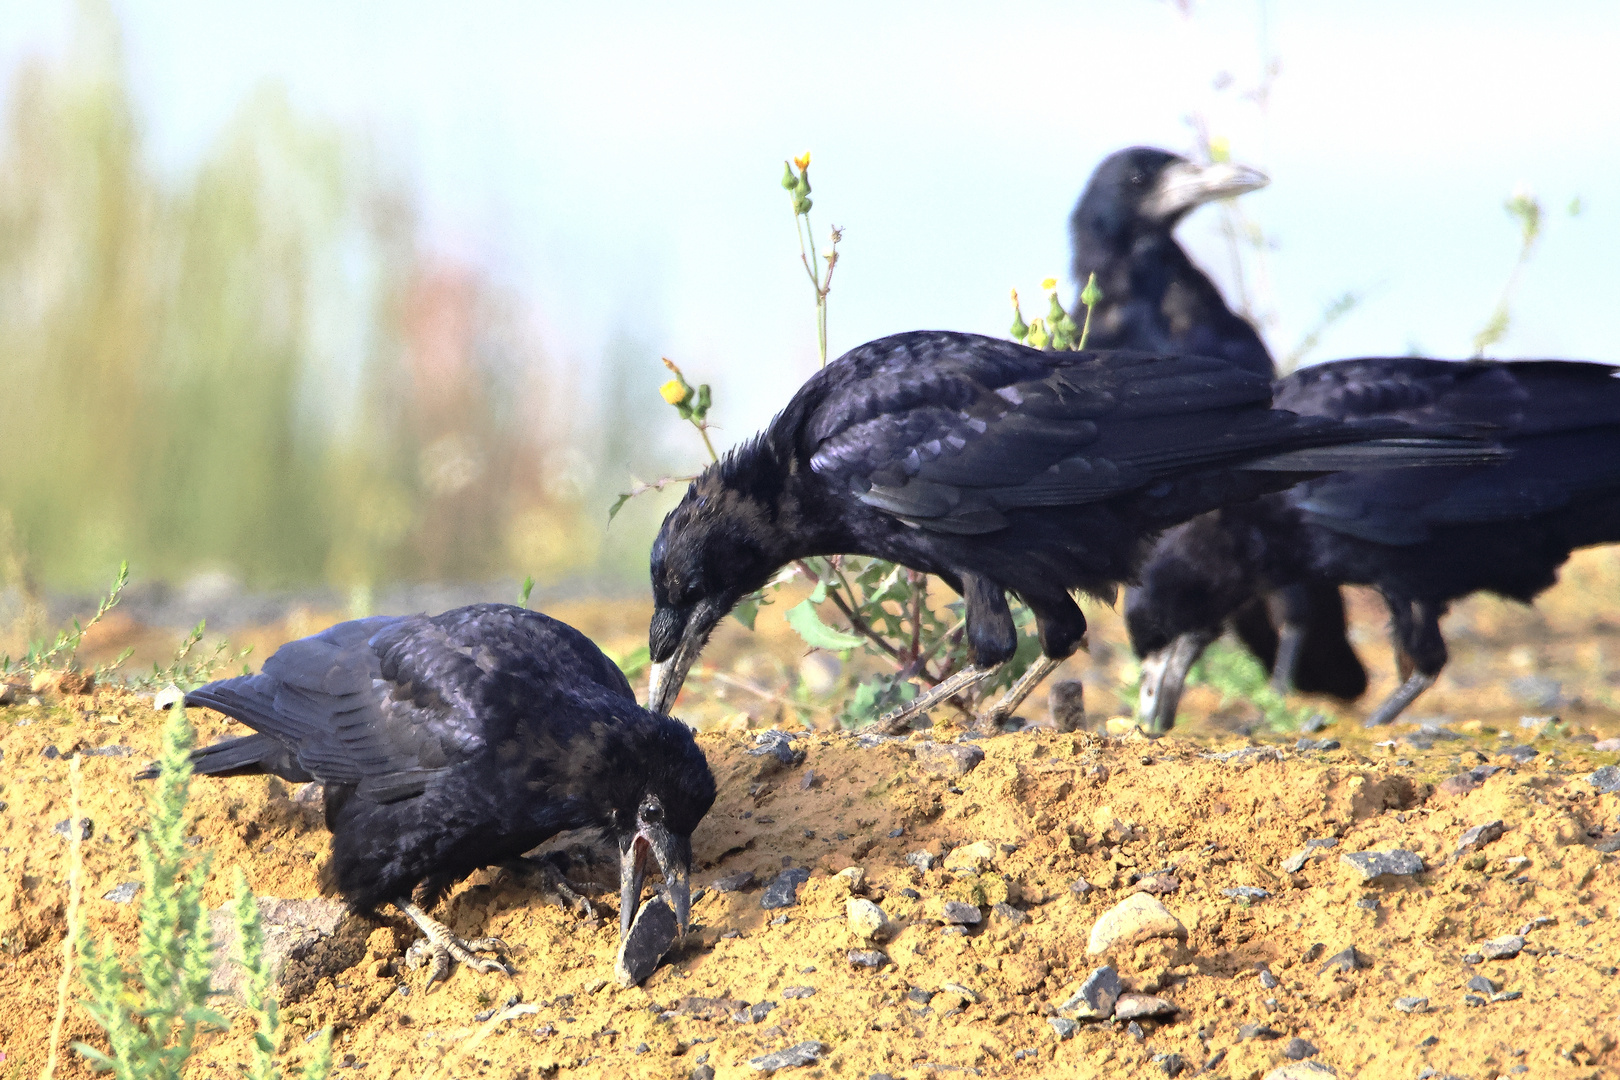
1505, 947
1371, 865
1298, 1050
1606, 779
1063, 1026
783, 891
960, 914
1250, 893
1080, 887
1473, 1000
1368, 903
1096, 997
122, 894
1346, 960
805, 1053
867, 958
895, 834
1143, 1006
1257, 1031
1481, 984
760, 1010
1136, 1032
734, 882
1172, 1064
780, 920
1268, 980
1508, 995
911, 894
922, 860
1473, 958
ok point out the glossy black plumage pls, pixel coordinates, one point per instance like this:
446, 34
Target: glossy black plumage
452, 742
1153, 297
1425, 537
995, 466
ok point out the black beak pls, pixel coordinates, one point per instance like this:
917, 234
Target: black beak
1186, 184
653, 843
1164, 675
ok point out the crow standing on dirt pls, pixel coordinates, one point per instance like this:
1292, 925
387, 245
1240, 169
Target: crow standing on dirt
1155, 299
1422, 537
458, 741
1000, 469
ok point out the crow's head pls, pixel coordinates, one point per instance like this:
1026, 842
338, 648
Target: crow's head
1147, 190
1197, 575
714, 549
659, 796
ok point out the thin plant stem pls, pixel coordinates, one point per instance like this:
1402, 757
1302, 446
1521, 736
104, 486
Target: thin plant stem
858, 624
70, 939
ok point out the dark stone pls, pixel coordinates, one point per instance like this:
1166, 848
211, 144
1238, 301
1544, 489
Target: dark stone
1249, 893
919, 995
1096, 997
1520, 754
1215, 1060
87, 828
1268, 980
777, 746
1473, 958
50, 753
1080, 887
1430, 1041
948, 759
805, 1053
760, 1010
1412, 1004
109, 751
1142, 1006
1473, 1000
702, 1072
1172, 1064
1508, 995
1257, 1031
1368, 903
707, 1008
1313, 954
1478, 837
1062, 1026
1006, 913
1346, 960
1606, 779
1481, 984
793, 993
734, 882
783, 891
911, 894
895, 834
867, 958
961, 914
1372, 865
650, 937
1135, 1031
1505, 947
1465, 782
1307, 745
1298, 1050
122, 894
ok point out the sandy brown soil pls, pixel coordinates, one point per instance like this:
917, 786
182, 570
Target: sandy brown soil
1120, 812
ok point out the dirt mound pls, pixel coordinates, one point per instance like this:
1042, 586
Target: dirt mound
1284, 939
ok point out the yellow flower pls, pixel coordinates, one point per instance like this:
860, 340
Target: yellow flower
802, 161
1049, 284
674, 392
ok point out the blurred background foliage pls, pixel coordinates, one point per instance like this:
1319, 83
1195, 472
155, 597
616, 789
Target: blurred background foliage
254, 368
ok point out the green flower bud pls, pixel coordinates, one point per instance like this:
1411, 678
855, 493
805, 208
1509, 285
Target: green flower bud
789, 181
702, 406
801, 205
802, 185
1091, 294
1020, 330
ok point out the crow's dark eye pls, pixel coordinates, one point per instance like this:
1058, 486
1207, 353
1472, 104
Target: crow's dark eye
652, 812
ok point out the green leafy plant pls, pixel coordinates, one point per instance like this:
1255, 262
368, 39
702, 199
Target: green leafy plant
185, 672
62, 654
153, 1010
1238, 676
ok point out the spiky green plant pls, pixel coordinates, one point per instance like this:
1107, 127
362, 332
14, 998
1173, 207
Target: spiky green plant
152, 1011
1238, 676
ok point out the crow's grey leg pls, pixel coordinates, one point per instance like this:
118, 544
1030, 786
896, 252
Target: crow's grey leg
569, 893
895, 722
1039, 670
444, 946
1289, 640
1407, 693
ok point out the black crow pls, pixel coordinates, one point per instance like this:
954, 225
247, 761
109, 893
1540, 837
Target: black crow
1153, 297
1421, 537
999, 468
453, 742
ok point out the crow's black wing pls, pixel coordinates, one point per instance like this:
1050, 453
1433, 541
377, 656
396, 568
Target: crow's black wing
386, 703
948, 431
1559, 419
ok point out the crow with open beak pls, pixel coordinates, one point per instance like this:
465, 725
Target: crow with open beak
999, 468
1153, 297
459, 741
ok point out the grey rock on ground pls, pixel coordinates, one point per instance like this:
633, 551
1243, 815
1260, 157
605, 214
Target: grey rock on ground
958, 913
1143, 1007
1062, 1026
1257, 1031
922, 860
805, 1053
783, 891
1371, 865
1505, 947
793, 993
734, 882
1606, 779
1139, 917
1520, 754
1480, 984
122, 894
867, 958
948, 759
1245, 892
1478, 837
650, 937
1096, 997
1298, 1049
1346, 960
1412, 1004
304, 941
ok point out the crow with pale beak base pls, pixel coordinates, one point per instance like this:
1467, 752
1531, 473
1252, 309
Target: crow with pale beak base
1153, 297
460, 741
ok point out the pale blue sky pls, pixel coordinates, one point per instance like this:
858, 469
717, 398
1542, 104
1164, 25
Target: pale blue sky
617, 164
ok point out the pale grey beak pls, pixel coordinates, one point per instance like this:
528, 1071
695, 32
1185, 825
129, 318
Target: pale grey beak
1187, 184
667, 676
1164, 675
654, 844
